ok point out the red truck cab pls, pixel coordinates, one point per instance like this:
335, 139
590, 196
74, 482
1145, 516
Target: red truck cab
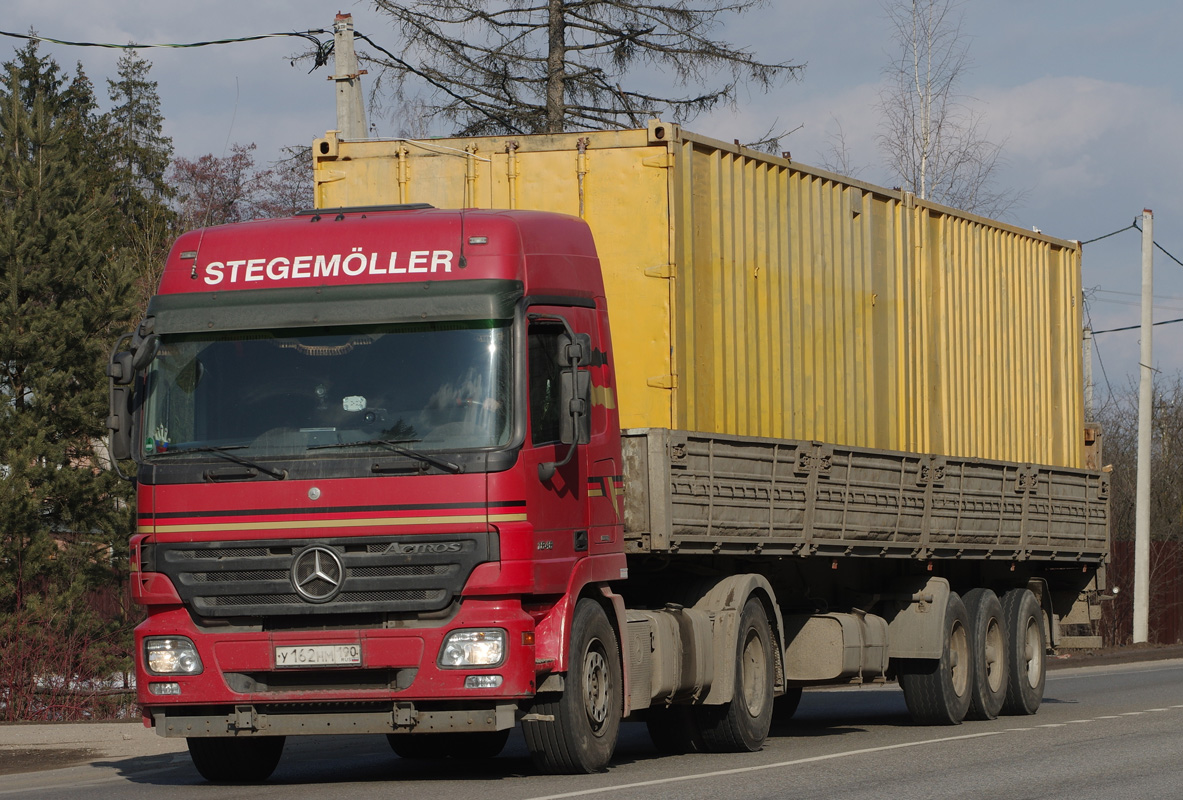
378, 464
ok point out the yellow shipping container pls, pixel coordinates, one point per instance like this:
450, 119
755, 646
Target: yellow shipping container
754, 296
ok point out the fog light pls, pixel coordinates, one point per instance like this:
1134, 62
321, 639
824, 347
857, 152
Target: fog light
473, 648
174, 655
164, 689
482, 681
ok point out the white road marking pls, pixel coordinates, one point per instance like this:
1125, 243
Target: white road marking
828, 757
742, 770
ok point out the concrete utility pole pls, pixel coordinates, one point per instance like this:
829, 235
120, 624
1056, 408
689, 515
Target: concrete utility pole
1145, 409
351, 113
1088, 373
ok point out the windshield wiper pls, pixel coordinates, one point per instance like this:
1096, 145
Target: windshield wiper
393, 444
220, 452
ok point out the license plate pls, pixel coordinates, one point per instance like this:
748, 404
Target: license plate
318, 655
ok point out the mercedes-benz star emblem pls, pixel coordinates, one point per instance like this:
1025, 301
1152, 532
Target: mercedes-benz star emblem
317, 574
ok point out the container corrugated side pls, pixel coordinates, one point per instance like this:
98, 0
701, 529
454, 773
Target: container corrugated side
809, 306
752, 296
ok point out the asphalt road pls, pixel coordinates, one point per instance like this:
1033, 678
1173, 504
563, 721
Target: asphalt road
1103, 732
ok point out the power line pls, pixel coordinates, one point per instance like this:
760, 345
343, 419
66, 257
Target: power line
1097, 350
309, 34
437, 84
1133, 225
1106, 236
1160, 247
1136, 327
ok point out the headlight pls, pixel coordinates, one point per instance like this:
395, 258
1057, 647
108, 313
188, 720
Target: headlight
175, 655
479, 648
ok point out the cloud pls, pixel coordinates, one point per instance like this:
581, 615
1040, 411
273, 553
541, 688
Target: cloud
1049, 117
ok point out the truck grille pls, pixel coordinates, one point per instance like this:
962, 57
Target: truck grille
405, 574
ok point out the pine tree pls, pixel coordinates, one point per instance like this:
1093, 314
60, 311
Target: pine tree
137, 158
142, 152
66, 288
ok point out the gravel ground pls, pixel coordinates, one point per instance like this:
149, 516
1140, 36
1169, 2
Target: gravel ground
31, 747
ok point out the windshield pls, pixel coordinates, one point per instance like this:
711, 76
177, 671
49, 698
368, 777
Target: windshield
431, 387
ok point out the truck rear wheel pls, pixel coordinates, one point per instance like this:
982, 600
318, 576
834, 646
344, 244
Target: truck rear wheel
741, 725
239, 760
1024, 632
987, 644
937, 691
576, 733
482, 744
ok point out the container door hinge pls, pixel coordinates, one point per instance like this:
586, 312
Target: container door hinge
663, 382
662, 271
661, 161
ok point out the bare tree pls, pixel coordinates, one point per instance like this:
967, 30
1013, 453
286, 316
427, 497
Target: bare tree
287, 187
935, 144
837, 157
1119, 421
511, 66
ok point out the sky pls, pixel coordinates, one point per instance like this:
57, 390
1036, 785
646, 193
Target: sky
1086, 97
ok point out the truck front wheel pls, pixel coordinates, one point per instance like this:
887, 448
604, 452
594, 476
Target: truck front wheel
240, 760
576, 731
741, 725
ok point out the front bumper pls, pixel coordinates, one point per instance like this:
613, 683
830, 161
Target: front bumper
299, 719
398, 686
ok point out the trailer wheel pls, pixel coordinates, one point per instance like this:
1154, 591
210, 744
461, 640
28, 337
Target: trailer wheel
245, 760
937, 691
987, 644
741, 725
475, 746
1025, 636
576, 732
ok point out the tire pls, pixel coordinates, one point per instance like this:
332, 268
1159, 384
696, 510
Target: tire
578, 730
1028, 644
990, 654
741, 725
938, 691
674, 730
237, 760
434, 746
785, 706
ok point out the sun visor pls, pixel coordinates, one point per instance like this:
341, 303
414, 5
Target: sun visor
429, 301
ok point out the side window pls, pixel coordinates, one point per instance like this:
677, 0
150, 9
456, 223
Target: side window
544, 371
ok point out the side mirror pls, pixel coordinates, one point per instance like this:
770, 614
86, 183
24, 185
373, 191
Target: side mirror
120, 369
119, 423
121, 372
575, 397
145, 352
